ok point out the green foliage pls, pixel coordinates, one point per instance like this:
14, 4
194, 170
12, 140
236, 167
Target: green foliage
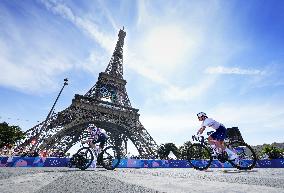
164, 150
184, 149
198, 152
10, 134
272, 152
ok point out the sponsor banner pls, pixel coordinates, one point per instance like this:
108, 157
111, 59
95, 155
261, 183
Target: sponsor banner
136, 163
18, 161
124, 163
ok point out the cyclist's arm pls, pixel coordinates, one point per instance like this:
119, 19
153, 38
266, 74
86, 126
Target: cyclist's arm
200, 131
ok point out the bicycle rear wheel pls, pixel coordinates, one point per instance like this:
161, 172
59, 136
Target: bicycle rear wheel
199, 156
84, 158
110, 158
246, 156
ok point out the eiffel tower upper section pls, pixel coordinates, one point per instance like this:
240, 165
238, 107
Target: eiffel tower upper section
110, 86
115, 66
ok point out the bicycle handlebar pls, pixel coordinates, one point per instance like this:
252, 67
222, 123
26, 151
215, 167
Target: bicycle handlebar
198, 138
201, 138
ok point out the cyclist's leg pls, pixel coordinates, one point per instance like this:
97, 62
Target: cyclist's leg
102, 140
211, 140
218, 138
213, 145
220, 145
102, 144
222, 134
90, 142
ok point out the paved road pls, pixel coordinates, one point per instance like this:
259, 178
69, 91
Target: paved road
41, 180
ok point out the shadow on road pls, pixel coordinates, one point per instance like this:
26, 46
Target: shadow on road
231, 171
208, 171
77, 170
238, 171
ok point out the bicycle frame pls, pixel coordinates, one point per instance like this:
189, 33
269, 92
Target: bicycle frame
94, 150
215, 152
201, 140
246, 157
103, 158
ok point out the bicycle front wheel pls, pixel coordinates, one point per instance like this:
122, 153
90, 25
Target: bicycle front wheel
84, 158
246, 156
199, 156
110, 158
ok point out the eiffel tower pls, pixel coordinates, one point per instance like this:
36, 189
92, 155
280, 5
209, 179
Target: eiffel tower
106, 105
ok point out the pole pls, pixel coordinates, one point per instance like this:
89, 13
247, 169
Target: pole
35, 146
50, 112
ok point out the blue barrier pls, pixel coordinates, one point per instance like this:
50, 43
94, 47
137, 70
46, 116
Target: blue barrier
125, 163
135, 163
17, 161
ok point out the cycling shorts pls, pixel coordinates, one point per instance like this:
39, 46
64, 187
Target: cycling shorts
102, 138
220, 134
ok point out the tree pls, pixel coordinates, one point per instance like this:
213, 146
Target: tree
272, 152
10, 134
183, 150
234, 134
164, 150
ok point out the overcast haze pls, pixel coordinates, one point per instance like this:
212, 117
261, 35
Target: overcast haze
225, 58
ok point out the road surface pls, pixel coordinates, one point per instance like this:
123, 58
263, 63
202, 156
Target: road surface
57, 180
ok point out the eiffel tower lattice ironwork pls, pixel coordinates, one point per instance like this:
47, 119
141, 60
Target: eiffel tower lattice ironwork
106, 105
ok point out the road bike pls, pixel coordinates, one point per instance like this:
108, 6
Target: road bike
201, 154
109, 157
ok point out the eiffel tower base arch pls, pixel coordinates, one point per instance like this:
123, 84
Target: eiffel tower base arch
68, 127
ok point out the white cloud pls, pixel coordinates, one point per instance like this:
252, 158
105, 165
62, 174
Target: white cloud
143, 15
34, 73
233, 70
85, 25
258, 122
183, 94
162, 51
171, 127
265, 114
172, 42
272, 78
40, 59
95, 63
169, 91
137, 65
108, 14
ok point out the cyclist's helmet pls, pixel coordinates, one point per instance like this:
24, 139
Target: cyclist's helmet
201, 114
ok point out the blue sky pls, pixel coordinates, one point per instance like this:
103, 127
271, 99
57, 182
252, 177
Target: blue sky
225, 58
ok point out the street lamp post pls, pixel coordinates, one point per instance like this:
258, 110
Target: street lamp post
35, 146
51, 110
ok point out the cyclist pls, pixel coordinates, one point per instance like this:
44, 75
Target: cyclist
97, 135
216, 138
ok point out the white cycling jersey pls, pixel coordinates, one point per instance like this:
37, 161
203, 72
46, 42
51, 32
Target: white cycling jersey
209, 122
96, 132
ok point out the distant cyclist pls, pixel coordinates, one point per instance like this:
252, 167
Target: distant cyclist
97, 135
216, 138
